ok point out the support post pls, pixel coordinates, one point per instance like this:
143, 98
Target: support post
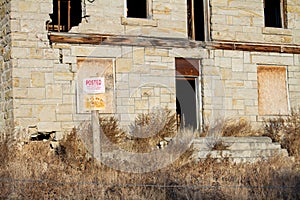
96, 134
58, 15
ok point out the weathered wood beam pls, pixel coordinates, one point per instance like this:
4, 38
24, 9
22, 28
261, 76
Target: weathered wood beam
105, 39
74, 38
259, 47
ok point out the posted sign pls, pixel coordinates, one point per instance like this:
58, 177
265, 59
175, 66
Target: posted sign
94, 97
94, 102
94, 85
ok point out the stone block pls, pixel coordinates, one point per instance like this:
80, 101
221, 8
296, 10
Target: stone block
36, 93
152, 51
69, 59
49, 126
45, 112
38, 79
24, 112
123, 65
63, 76
35, 53
53, 91
141, 104
19, 52
138, 55
65, 108
64, 117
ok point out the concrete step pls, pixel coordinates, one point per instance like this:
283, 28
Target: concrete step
241, 153
235, 139
208, 144
239, 149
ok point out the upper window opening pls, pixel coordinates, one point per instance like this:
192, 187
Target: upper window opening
137, 8
196, 20
274, 11
66, 14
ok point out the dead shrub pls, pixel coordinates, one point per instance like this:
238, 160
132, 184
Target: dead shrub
145, 133
237, 127
219, 145
73, 152
273, 128
286, 131
110, 127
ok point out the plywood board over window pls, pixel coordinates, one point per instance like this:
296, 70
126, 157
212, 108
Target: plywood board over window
95, 70
272, 90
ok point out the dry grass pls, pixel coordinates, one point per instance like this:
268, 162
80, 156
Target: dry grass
145, 133
286, 131
35, 171
231, 127
238, 127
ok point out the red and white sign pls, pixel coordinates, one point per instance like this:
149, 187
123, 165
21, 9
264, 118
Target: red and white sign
94, 85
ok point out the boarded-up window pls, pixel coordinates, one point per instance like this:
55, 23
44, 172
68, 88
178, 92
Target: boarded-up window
272, 90
93, 75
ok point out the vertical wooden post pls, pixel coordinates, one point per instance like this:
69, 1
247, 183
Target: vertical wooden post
58, 15
69, 15
193, 19
96, 134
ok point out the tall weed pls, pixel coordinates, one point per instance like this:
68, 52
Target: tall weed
286, 131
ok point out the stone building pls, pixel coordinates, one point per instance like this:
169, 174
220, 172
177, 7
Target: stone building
206, 60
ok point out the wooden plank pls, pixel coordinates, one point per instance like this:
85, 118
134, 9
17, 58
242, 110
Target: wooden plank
69, 15
272, 90
121, 40
193, 19
187, 67
76, 38
96, 134
295, 50
263, 48
224, 46
58, 15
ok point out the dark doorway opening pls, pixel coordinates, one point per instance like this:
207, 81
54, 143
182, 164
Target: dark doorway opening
186, 102
196, 29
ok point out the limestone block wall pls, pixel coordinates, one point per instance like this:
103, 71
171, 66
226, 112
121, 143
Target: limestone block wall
144, 79
243, 21
6, 103
41, 82
168, 19
230, 83
39, 79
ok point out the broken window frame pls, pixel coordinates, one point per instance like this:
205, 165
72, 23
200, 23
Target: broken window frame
281, 14
191, 28
148, 11
61, 22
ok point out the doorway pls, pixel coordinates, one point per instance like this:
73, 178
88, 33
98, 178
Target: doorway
186, 102
188, 107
